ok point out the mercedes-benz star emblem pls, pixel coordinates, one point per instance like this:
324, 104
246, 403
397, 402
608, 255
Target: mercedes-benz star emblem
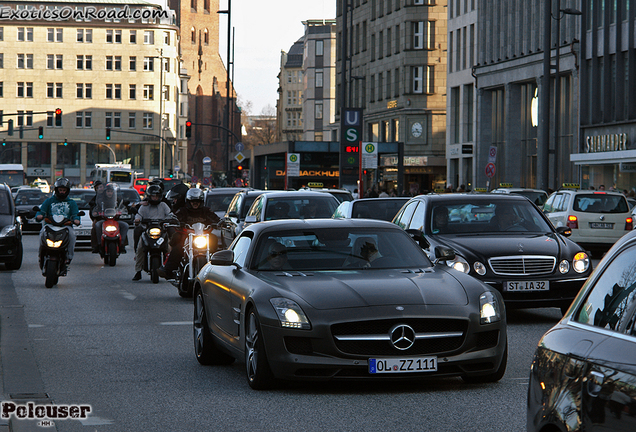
402, 336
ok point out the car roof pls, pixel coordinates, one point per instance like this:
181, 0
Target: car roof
232, 190
296, 193
470, 197
291, 224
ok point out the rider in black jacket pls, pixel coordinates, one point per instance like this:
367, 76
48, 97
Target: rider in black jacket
194, 211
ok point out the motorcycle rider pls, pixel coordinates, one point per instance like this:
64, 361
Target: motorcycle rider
194, 211
176, 196
60, 204
144, 202
110, 199
155, 209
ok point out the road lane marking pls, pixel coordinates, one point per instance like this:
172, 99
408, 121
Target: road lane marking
175, 323
127, 295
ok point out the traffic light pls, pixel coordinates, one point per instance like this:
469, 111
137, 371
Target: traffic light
58, 117
107, 134
4, 142
40, 132
10, 131
170, 174
65, 141
21, 132
188, 129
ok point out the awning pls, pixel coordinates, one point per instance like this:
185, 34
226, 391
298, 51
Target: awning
603, 158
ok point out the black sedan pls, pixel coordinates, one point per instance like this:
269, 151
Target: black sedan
503, 240
335, 299
583, 375
26, 198
10, 231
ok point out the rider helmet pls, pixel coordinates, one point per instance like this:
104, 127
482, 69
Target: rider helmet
177, 196
97, 184
157, 182
62, 182
195, 195
154, 194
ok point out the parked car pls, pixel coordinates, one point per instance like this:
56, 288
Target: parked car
597, 218
233, 220
140, 184
342, 299
537, 196
503, 240
583, 372
82, 197
371, 208
25, 199
10, 231
302, 204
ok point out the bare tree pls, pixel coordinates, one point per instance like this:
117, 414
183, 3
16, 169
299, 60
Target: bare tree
260, 129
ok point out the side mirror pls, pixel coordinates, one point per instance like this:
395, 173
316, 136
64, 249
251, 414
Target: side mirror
222, 258
419, 238
564, 231
232, 214
81, 213
250, 219
444, 253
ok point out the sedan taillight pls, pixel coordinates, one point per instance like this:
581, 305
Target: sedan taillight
573, 222
629, 224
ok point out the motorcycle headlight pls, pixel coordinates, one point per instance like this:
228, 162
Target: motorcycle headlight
581, 262
53, 244
154, 232
9, 231
110, 228
290, 314
489, 308
459, 264
200, 242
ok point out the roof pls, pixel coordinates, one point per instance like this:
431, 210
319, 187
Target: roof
291, 224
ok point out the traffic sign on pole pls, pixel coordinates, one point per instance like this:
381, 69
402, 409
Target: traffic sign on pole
490, 170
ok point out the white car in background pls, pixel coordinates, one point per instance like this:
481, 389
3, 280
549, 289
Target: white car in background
43, 185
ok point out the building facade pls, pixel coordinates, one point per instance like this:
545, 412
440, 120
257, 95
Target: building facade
396, 72
291, 85
106, 71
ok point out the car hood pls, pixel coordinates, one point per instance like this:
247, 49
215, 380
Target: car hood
492, 245
363, 288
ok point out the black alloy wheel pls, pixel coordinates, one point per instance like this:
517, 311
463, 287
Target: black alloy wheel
259, 374
205, 349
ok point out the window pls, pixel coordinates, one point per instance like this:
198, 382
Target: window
1, 88
117, 63
149, 92
109, 63
109, 91
88, 36
193, 35
418, 35
117, 120
149, 37
318, 110
50, 90
118, 36
59, 61
193, 5
319, 47
80, 35
25, 34
148, 64
319, 79
25, 61
109, 36
80, 62
88, 62
132, 91
80, 90
24, 89
108, 119
133, 36
55, 35
147, 121
88, 91
166, 64
132, 120
166, 93
418, 80
83, 119
1, 61
133, 63
54, 61
117, 89
166, 38
206, 37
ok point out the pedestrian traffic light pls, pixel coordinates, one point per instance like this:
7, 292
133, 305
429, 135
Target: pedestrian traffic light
107, 134
10, 131
40, 132
58, 117
188, 129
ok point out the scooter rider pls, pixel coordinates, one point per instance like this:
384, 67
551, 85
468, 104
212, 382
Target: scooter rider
60, 204
194, 211
156, 209
110, 199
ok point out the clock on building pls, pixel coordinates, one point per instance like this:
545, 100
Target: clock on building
416, 129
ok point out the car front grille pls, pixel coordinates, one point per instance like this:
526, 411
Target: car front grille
372, 338
522, 265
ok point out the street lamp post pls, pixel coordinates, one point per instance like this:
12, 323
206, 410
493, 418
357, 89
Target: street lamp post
226, 120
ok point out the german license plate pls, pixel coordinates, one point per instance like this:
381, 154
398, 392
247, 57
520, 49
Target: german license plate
527, 286
82, 232
403, 365
602, 225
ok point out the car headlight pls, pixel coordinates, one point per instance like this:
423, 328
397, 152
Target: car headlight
489, 308
9, 231
581, 262
110, 228
480, 268
200, 242
290, 314
564, 267
53, 244
459, 264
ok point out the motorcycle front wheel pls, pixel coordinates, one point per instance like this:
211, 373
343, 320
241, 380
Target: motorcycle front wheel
185, 287
51, 274
111, 254
155, 263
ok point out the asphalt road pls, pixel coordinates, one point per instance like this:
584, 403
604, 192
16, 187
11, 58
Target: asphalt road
125, 349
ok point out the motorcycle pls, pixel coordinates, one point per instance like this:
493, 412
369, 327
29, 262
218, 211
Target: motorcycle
53, 248
156, 242
111, 243
196, 253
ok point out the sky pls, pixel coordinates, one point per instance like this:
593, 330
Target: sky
262, 29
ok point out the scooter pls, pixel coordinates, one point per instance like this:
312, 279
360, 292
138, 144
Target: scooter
53, 249
196, 253
110, 245
156, 242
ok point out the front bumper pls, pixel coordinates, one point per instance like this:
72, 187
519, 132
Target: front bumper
561, 292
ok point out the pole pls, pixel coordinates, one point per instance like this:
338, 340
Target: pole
343, 89
226, 120
543, 142
161, 162
557, 98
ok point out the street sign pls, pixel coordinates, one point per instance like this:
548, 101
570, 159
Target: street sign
369, 154
239, 147
239, 157
492, 154
177, 168
207, 160
490, 170
293, 164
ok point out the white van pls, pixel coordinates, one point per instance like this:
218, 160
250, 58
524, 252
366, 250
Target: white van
122, 174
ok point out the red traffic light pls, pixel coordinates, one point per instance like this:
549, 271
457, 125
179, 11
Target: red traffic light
239, 167
58, 111
188, 123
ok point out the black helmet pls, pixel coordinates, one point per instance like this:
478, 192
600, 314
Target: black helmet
177, 192
157, 182
64, 183
195, 195
97, 184
154, 194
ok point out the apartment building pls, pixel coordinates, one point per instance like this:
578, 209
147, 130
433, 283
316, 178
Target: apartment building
107, 68
291, 86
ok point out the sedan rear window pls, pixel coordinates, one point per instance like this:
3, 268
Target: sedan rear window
600, 203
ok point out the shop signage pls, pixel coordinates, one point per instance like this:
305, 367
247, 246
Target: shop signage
606, 143
628, 167
391, 104
311, 173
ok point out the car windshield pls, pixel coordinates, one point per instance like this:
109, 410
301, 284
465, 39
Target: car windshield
300, 208
82, 197
130, 195
30, 197
600, 203
486, 217
539, 198
337, 249
377, 208
218, 202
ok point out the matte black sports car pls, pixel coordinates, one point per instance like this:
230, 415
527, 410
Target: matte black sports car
503, 240
583, 373
321, 299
